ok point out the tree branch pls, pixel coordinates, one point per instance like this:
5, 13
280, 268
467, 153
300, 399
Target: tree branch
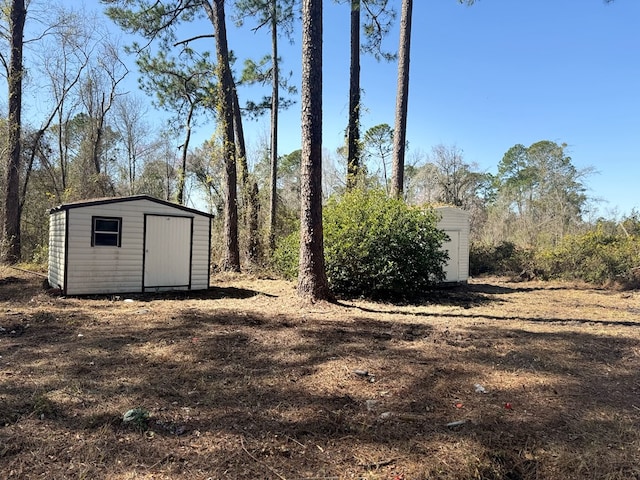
197, 37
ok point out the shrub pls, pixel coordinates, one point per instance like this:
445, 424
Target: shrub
596, 256
40, 255
602, 255
378, 246
502, 259
284, 259
375, 246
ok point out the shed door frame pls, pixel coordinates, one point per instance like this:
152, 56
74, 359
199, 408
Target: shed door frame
186, 285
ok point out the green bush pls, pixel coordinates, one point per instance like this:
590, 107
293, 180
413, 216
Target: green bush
376, 247
603, 255
597, 256
503, 259
284, 259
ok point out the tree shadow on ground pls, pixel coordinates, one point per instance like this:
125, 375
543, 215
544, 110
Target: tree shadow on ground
459, 296
15, 288
464, 295
493, 289
500, 318
211, 293
253, 395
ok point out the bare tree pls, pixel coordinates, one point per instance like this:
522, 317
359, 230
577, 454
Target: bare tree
63, 60
457, 179
134, 132
208, 169
98, 94
159, 175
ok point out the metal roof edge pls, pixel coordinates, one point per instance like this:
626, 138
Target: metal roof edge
106, 201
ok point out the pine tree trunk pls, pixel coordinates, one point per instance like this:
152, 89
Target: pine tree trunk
402, 99
12, 214
231, 262
312, 279
275, 94
353, 129
182, 174
250, 202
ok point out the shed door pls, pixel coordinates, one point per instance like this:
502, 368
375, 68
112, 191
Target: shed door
451, 269
167, 252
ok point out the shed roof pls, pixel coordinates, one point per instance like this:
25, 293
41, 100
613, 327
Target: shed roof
453, 209
110, 200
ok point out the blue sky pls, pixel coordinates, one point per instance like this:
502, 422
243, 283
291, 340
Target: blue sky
498, 73
487, 77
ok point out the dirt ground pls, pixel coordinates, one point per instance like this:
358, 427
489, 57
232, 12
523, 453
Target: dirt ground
493, 380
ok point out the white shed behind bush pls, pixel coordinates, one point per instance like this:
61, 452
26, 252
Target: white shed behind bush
455, 223
127, 245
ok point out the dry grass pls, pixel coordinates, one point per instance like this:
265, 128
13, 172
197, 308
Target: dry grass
244, 382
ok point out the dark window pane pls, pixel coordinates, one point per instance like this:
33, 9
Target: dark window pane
106, 225
107, 239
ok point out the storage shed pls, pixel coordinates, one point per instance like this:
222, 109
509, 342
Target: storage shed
127, 245
455, 223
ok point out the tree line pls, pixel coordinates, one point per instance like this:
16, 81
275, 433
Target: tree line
91, 143
92, 139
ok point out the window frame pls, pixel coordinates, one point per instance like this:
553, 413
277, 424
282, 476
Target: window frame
95, 232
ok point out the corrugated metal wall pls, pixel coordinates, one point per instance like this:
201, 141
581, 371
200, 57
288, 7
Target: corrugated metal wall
57, 223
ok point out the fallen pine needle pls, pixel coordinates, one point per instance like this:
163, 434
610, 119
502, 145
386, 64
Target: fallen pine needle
258, 461
456, 423
375, 465
295, 441
319, 478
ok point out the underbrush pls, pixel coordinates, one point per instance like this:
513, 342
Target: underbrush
598, 257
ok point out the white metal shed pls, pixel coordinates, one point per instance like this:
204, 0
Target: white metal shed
455, 223
128, 244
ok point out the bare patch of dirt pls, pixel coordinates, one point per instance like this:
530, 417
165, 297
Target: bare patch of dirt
494, 380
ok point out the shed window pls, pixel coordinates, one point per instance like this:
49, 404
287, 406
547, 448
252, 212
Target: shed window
106, 231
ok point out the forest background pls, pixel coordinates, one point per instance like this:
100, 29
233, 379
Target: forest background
89, 132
